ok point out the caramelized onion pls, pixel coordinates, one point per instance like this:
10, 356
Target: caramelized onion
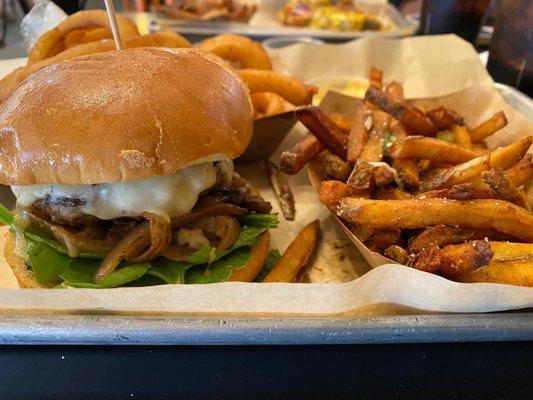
206, 211
222, 230
75, 242
144, 242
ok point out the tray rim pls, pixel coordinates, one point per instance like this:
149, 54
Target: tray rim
127, 330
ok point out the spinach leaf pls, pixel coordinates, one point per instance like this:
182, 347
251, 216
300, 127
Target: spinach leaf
46, 263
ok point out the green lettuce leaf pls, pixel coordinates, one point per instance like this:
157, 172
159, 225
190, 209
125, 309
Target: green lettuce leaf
6, 217
271, 260
169, 271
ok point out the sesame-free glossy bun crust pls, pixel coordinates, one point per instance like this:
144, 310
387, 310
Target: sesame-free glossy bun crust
122, 115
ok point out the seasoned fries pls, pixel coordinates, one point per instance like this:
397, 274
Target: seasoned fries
291, 265
487, 128
424, 189
436, 150
419, 213
292, 161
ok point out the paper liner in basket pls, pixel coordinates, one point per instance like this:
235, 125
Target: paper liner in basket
475, 104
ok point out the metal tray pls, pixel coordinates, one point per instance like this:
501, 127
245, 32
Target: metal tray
265, 24
212, 330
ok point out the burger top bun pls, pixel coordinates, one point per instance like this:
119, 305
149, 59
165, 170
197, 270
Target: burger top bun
122, 115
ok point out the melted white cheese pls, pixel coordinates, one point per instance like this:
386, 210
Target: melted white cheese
165, 195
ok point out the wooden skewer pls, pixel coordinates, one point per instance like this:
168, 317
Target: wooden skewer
113, 22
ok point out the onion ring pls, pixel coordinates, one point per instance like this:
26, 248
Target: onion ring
291, 89
239, 50
72, 31
267, 103
158, 39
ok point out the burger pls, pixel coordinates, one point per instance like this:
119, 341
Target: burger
121, 165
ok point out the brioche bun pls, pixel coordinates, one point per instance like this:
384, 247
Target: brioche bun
122, 115
24, 276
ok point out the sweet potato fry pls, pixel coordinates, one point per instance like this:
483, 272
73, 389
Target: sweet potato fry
442, 235
455, 259
514, 271
407, 172
521, 172
292, 161
376, 78
420, 213
282, 189
296, 257
331, 192
358, 136
320, 125
490, 126
419, 147
255, 263
461, 136
503, 158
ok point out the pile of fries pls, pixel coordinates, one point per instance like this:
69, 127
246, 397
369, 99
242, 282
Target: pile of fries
421, 188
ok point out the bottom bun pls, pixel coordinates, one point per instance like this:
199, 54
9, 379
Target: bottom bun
25, 277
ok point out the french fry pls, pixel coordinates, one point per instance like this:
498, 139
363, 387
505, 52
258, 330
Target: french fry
455, 259
502, 188
373, 150
505, 250
412, 118
420, 213
514, 271
342, 121
292, 161
331, 192
376, 77
421, 147
358, 136
380, 239
282, 189
395, 91
390, 193
503, 158
383, 176
461, 136
362, 175
397, 253
320, 125
443, 235
259, 253
296, 257
521, 172
335, 167
490, 126
407, 172
470, 190
443, 118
